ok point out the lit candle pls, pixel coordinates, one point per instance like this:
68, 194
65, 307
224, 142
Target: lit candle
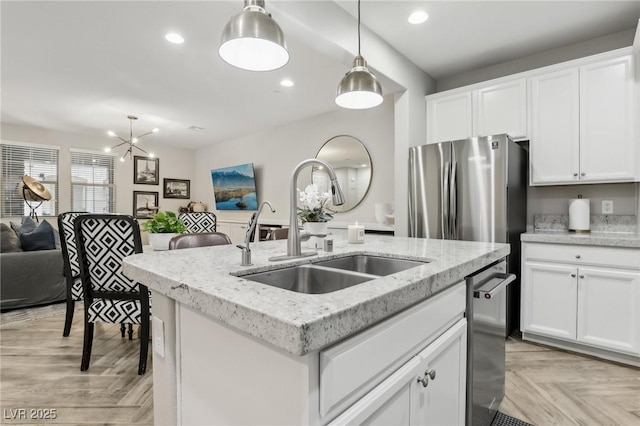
355, 234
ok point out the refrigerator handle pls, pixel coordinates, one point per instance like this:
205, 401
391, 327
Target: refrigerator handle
445, 190
413, 231
453, 205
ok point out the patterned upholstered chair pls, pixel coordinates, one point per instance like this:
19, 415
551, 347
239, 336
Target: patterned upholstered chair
71, 265
103, 240
199, 221
201, 239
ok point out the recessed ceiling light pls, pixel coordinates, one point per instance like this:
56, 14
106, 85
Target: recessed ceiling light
174, 38
287, 83
418, 17
195, 128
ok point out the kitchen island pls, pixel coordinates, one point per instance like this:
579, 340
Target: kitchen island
228, 350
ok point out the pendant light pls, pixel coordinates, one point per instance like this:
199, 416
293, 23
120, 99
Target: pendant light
359, 88
130, 144
253, 41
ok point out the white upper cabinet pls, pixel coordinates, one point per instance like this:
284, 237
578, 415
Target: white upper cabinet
502, 108
606, 120
582, 124
555, 127
486, 110
449, 117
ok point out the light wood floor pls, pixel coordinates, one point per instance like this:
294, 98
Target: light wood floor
551, 387
41, 369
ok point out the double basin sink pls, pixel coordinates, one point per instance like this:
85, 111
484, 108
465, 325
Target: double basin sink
330, 275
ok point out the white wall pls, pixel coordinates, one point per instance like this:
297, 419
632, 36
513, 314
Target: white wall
276, 152
174, 163
549, 57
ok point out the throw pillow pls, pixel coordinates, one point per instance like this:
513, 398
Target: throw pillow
9, 241
27, 225
40, 238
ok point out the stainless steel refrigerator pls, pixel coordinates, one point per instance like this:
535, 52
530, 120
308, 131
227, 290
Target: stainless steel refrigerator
475, 190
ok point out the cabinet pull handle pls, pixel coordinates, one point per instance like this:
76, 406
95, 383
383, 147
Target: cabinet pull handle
581, 276
573, 275
582, 174
428, 374
577, 256
575, 174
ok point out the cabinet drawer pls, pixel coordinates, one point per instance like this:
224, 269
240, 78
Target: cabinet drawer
583, 255
355, 366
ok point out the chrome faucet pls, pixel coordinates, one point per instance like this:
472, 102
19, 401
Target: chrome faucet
293, 240
246, 251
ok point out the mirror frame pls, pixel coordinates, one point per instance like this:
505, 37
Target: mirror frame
333, 209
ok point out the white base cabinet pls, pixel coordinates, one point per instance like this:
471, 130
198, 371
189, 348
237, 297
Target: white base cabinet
428, 390
586, 296
211, 374
235, 230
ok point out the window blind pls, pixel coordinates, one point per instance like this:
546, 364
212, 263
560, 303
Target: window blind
92, 182
39, 163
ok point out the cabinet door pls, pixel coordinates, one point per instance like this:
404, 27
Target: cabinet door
555, 137
387, 404
449, 117
549, 304
502, 108
607, 151
443, 370
609, 309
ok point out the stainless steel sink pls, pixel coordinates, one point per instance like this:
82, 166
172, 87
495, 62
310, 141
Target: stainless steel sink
332, 275
375, 265
310, 279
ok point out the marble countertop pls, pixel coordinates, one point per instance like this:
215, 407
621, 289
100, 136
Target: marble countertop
590, 239
204, 279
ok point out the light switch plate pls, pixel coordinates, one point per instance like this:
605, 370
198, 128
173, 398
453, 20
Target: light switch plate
158, 336
607, 206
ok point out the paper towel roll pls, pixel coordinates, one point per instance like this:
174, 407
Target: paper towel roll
579, 215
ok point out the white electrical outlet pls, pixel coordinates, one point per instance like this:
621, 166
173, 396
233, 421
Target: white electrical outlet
607, 206
158, 336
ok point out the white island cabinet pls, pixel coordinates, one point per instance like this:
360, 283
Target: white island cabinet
230, 351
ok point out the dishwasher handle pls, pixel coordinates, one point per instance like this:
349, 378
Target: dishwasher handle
493, 285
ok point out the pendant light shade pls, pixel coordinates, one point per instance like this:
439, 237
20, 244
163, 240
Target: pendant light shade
253, 41
359, 88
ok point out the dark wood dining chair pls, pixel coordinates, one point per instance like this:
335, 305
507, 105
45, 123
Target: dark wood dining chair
71, 265
202, 239
103, 240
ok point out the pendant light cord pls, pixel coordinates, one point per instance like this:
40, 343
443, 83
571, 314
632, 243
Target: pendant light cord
359, 28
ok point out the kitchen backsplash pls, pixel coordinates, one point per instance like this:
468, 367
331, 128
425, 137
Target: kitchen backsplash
599, 223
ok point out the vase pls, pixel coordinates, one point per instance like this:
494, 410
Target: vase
315, 228
160, 241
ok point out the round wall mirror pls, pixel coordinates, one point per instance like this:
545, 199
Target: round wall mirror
352, 163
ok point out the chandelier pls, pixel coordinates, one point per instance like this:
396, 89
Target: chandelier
131, 143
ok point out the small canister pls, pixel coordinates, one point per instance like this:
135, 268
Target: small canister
328, 245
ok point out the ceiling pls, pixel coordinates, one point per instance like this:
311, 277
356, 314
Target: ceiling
82, 67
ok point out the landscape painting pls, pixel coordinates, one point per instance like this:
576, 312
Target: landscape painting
234, 188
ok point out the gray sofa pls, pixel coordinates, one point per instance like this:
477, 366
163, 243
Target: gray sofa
35, 276
31, 278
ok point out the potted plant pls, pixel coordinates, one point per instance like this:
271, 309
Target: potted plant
161, 228
313, 213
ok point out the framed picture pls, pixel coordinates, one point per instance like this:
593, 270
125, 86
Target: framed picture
176, 188
145, 204
146, 170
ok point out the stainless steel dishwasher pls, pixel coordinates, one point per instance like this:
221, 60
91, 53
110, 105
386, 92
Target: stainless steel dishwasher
486, 322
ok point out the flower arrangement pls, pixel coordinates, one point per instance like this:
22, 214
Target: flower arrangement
313, 205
